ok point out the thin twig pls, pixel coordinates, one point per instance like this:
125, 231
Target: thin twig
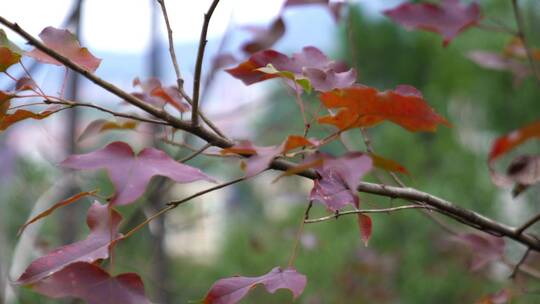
528, 224
199, 62
299, 235
175, 204
194, 154
520, 263
521, 34
362, 211
179, 79
102, 109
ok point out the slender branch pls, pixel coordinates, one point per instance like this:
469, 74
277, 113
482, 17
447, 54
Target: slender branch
521, 34
102, 109
362, 211
199, 62
528, 224
294, 253
175, 204
179, 79
195, 153
520, 263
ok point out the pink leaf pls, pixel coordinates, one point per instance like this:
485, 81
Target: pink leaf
131, 173
94, 285
365, 225
232, 290
103, 223
448, 19
484, 247
64, 43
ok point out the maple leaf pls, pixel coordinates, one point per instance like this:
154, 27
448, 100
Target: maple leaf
485, 248
9, 52
94, 285
448, 18
9, 119
261, 157
365, 224
130, 173
339, 179
101, 125
495, 61
232, 290
310, 68
155, 94
264, 37
508, 142
364, 106
103, 222
66, 44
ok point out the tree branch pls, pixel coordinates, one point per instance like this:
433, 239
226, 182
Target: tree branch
362, 211
198, 64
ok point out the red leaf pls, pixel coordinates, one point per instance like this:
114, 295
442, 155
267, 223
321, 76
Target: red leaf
484, 247
102, 125
9, 52
9, 119
94, 285
60, 204
365, 225
501, 297
103, 222
157, 95
365, 107
506, 143
232, 290
265, 37
339, 179
311, 64
261, 157
448, 18
131, 173
66, 44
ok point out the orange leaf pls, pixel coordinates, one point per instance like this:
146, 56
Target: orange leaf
387, 164
364, 107
4, 103
19, 115
295, 141
60, 204
102, 125
9, 52
511, 140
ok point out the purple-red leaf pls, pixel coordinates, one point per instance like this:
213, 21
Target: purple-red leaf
485, 248
339, 179
66, 44
311, 64
264, 37
232, 290
448, 18
131, 173
94, 285
365, 224
495, 61
155, 94
103, 223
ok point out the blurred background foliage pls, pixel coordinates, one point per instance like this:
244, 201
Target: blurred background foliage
410, 259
